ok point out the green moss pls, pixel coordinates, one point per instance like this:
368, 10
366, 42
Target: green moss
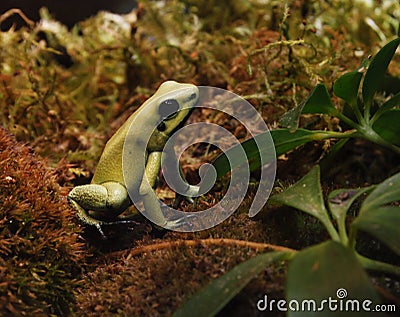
69, 110
68, 87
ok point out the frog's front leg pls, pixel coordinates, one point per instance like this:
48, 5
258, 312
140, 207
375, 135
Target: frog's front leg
183, 189
150, 200
153, 208
105, 200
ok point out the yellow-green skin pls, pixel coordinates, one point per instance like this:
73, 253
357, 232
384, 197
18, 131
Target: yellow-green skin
106, 197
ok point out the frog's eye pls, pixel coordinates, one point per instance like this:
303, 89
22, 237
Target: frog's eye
168, 109
161, 127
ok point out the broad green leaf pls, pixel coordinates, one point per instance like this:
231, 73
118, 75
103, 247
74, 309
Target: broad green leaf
378, 218
328, 271
386, 192
388, 126
346, 87
306, 195
376, 71
391, 103
252, 151
382, 223
285, 140
319, 101
212, 298
291, 118
340, 200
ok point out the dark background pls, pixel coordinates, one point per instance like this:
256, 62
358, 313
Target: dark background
68, 12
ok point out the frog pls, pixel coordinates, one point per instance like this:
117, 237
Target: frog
107, 196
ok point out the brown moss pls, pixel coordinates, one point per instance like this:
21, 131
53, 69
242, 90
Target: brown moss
39, 247
157, 283
61, 110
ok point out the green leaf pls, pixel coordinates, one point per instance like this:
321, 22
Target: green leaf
340, 200
377, 70
291, 118
284, 140
346, 87
323, 272
388, 126
252, 151
386, 192
383, 223
212, 298
379, 219
391, 103
319, 101
306, 195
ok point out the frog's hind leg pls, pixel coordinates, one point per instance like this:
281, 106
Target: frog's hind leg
84, 216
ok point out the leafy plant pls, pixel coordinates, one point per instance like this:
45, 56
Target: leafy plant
368, 120
318, 272
376, 123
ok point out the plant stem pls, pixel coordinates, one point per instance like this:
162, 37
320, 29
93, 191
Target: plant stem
347, 120
323, 135
367, 107
341, 222
357, 112
365, 131
330, 228
368, 133
374, 265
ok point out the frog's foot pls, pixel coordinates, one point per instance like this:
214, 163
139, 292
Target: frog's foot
99, 224
179, 198
191, 191
180, 222
84, 216
87, 219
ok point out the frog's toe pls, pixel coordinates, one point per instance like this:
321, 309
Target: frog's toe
179, 198
182, 222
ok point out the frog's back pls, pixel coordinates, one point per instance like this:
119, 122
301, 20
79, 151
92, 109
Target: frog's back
109, 167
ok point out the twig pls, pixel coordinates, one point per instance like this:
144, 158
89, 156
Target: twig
10, 12
230, 242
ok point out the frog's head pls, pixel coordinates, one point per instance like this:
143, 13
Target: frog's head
174, 102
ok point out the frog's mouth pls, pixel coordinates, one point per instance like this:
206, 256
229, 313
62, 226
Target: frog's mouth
183, 122
186, 117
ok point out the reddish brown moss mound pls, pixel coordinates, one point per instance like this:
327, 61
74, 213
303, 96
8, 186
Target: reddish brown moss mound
157, 283
39, 248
